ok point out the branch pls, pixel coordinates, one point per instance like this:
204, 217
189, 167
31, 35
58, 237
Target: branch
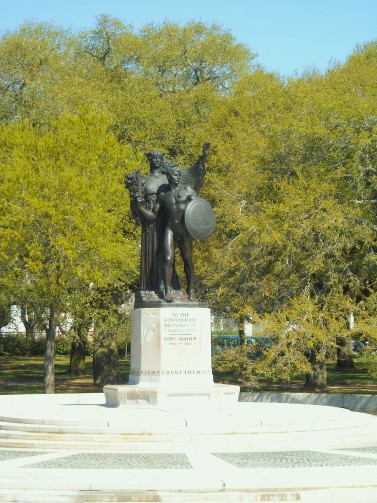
365, 201
233, 240
63, 330
370, 170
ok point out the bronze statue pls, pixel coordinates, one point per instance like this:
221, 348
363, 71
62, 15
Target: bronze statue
174, 203
149, 187
161, 202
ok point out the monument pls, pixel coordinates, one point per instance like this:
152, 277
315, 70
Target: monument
170, 331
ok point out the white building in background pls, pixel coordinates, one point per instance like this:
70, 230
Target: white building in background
248, 328
15, 326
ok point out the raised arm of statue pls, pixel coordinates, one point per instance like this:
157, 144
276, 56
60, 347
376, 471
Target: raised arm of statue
194, 176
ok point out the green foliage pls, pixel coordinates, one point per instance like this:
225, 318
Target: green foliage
175, 58
111, 327
19, 345
235, 365
62, 224
368, 357
291, 175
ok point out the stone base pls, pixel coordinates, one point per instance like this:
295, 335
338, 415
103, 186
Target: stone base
142, 395
171, 362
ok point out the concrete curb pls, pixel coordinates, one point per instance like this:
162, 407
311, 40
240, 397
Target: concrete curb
346, 401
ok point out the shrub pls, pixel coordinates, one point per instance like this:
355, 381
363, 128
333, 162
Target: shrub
15, 345
235, 366
63, 345
20, 345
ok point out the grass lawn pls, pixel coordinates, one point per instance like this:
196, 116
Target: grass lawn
25, 375
357, 380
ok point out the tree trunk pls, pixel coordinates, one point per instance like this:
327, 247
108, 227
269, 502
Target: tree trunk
78, 351
344, 351
5, 316
106, 365
49, 364
317, 378
344, 354
127, 350
241, 331
28, 322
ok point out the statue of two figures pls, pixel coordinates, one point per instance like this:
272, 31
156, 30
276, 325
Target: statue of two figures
166, 204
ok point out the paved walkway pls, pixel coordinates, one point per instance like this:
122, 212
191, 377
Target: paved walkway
73, 448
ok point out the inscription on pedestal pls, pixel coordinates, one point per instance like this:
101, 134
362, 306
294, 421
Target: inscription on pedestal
180, 329
182, 339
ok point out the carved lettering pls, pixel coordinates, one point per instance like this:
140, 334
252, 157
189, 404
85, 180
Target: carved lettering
169, 372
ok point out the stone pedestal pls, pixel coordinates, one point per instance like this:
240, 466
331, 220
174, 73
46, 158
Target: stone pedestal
171, 361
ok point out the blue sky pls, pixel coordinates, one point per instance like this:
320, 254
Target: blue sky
289, 36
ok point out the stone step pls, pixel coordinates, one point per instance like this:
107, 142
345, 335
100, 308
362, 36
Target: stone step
65, 496
55, 421
100, 439
153, 443
52, 428
165, 432
108, 439
87, 445
27, 493
28, 496
67, 437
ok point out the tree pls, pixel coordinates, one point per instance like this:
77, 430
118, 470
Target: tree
175, 58
5, 316
292, 226
291, 175
62, 216
31, 64
81, 312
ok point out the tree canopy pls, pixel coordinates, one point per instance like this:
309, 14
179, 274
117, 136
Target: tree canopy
291, 174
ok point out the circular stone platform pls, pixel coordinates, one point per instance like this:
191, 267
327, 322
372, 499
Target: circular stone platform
71, 446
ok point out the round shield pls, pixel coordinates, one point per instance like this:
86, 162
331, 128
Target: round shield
200, 218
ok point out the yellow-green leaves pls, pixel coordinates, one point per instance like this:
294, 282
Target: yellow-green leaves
64, 204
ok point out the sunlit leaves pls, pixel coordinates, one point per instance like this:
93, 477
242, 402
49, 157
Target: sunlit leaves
63, 200
291, 174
